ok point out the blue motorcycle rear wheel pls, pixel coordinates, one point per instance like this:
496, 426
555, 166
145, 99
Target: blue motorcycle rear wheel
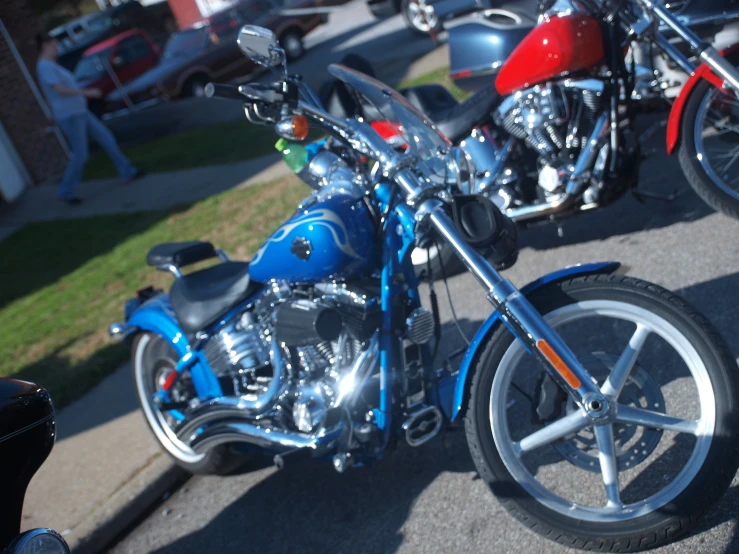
152, 359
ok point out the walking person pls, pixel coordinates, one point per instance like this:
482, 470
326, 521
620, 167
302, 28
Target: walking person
68, 102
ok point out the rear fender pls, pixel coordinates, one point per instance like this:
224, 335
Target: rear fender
674, 123
488, 327
157, 316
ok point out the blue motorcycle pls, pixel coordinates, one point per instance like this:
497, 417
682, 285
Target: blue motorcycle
599, 408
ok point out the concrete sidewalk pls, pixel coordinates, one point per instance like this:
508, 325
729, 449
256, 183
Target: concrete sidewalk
156, 191
106, 469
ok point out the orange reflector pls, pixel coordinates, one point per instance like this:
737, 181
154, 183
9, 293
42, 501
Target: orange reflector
300, 127
558, 364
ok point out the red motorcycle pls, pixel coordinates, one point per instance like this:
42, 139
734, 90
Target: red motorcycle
554, 136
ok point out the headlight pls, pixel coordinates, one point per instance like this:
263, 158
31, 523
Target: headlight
39, 541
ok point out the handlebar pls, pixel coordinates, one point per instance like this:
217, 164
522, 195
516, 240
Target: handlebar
225, 92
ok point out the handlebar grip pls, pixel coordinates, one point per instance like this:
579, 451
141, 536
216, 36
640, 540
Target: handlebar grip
228, 92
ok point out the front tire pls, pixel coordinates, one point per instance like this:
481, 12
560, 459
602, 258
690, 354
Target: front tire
709, 148
153, 359
565, 513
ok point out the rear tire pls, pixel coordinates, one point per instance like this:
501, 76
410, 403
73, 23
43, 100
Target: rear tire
659, 526
151, 359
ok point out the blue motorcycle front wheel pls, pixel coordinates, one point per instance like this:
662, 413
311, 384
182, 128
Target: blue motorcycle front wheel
638, 479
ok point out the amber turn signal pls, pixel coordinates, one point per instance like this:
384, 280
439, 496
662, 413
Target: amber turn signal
300, 127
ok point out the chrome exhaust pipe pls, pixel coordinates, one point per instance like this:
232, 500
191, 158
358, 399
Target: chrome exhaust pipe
226, 407
258, 435
228, 421
524, 213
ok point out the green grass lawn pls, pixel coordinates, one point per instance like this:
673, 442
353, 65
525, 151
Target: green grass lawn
65, 281
222, 143
212, 145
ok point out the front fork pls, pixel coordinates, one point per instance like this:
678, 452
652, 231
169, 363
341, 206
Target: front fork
519, 315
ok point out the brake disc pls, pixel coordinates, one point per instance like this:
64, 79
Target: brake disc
633, 443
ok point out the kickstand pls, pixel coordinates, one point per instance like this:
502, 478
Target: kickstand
640, 195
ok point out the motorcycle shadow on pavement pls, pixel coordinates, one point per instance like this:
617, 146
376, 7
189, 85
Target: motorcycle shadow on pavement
311, 508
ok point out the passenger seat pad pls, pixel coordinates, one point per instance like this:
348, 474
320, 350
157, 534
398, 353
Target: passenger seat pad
180, 253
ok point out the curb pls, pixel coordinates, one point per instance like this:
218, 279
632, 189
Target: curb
147, 488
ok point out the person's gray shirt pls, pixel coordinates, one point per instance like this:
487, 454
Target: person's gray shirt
62, 106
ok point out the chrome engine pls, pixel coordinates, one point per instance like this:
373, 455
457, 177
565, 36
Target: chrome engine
558, 120
244, 355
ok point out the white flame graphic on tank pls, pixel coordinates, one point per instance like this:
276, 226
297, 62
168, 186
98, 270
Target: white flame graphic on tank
325, 218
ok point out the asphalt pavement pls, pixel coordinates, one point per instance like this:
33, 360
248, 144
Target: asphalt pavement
430, 499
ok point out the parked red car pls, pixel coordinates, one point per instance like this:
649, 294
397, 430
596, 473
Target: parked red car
207, 51
121, 58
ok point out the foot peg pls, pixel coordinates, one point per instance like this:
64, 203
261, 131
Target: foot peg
422, 425
293, 456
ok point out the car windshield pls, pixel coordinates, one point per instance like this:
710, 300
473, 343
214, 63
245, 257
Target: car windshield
185, 42
92, 66
423, 139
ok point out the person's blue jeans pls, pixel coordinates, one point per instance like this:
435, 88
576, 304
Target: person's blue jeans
76, 129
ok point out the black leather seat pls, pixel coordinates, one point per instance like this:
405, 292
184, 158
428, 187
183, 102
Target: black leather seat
180, 253
453, 119
200, 298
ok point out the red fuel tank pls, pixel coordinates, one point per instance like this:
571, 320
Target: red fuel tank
554, 48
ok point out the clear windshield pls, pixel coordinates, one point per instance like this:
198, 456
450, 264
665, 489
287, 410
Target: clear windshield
423, 139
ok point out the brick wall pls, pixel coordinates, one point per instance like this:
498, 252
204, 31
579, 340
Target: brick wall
20, 113
186, 12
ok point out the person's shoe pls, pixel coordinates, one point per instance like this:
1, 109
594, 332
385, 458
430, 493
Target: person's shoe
71, 200
135, 177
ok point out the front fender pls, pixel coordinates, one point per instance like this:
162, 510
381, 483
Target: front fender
463, 383
674, 123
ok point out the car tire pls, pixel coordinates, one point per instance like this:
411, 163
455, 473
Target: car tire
292, 44
410, 10
195, 86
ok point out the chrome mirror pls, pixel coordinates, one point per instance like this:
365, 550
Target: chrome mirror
261, 46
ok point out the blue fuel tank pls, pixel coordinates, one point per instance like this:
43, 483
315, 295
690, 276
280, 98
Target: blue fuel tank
335, 238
